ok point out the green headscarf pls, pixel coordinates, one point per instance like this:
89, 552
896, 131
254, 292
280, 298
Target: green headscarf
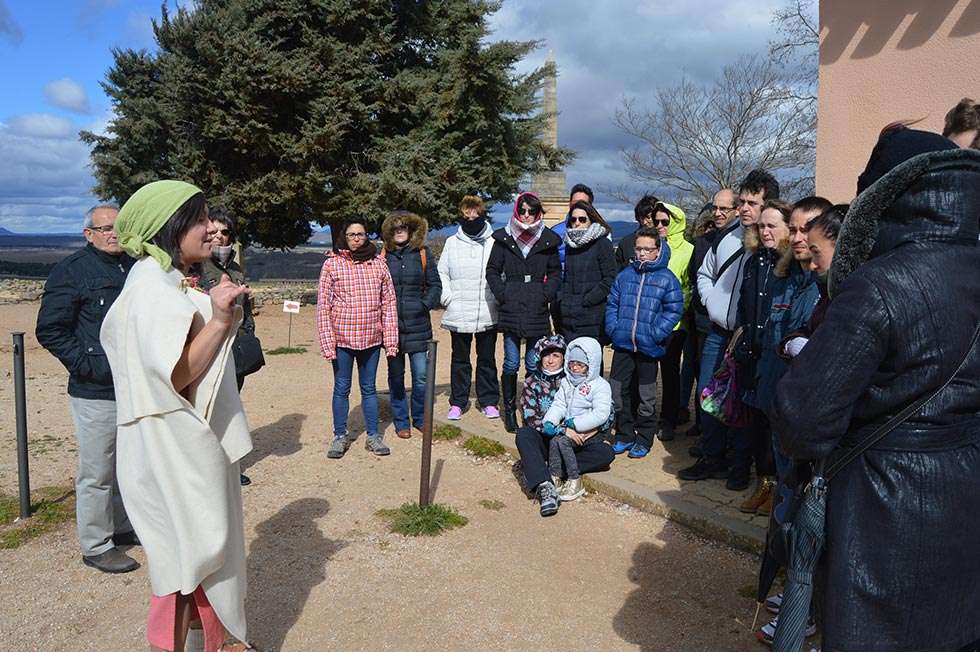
145, 213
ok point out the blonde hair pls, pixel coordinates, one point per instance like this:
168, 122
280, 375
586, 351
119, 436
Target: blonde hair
471, 202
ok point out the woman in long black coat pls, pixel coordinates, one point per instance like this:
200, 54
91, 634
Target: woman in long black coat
902, 561
590, 269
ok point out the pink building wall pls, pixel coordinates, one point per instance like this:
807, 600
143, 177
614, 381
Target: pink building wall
888, 60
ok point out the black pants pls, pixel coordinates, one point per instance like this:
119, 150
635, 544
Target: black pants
461, 370
670, 374
759, 435
594, 455
635, 420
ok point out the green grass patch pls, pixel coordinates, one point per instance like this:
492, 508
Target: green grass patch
285, 350
412, 520
50, 507
483, 447
446, 432
492, 505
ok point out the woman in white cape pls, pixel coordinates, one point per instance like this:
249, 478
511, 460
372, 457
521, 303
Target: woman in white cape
181, 428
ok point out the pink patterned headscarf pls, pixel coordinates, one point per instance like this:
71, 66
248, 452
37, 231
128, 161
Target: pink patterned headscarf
524, 234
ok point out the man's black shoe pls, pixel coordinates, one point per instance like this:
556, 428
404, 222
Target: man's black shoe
126, 539
111, 561
739, 479
704, 469
245, 480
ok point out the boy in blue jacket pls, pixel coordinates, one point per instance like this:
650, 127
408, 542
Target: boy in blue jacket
644, 305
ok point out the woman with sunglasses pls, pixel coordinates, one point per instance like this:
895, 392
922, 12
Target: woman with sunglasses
590, 269
524, 274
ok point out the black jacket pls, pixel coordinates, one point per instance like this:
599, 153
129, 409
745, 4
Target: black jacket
415, 295
522, 286
901, 566
589, 274
701, 246
77, 296
754, 307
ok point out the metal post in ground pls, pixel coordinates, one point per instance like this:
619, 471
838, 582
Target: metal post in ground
20, 403
430, 399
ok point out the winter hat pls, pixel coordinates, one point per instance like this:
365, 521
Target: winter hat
577, 354
896, 146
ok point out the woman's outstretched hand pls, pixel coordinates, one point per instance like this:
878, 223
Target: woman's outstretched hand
223, 298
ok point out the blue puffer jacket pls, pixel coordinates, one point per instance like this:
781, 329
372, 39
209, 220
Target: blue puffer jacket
644, 305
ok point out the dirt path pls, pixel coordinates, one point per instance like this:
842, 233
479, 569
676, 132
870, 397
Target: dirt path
324, 572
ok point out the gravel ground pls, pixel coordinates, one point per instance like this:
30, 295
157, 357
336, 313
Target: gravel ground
324, 573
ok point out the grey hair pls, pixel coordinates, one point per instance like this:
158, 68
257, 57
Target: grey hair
88, 224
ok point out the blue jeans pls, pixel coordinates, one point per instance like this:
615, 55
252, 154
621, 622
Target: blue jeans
343, 376
512, 354
396, 385
714, 432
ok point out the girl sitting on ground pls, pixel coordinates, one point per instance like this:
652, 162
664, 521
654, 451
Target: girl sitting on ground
582, 408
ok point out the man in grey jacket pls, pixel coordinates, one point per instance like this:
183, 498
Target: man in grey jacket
77, 296
719, 284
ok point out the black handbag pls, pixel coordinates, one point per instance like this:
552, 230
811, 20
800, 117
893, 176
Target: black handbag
779, 544
247, 350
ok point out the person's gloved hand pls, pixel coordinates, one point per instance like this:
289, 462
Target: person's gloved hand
795, 346
550, 429
570, 423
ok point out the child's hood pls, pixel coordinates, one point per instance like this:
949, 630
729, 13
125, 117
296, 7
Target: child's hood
593, 353
659, 263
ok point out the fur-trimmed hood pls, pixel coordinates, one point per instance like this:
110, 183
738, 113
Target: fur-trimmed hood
417, 226
932, 197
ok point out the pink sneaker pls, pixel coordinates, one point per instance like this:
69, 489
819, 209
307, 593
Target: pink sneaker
491, 412
455, 413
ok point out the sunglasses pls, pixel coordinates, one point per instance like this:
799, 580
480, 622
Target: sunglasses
662, 222
222, 232
578, 219
527, 211
108, 228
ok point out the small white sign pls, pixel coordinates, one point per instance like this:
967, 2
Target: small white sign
290, 306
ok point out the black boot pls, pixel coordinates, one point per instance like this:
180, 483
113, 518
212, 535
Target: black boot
508, 384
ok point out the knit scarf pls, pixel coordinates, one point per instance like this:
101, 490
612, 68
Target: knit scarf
365, 252
576, 238
526, 235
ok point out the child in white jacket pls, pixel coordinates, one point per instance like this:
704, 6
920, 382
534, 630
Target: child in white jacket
582, 408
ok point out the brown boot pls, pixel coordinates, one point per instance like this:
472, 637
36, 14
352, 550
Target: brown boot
766, 507
763, 491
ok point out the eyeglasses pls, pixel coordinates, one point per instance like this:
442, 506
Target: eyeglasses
721, 209
108, 228
578, 219
647, 250
527, 211
356, 236
662, 222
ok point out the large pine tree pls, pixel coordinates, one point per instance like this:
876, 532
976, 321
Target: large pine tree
297, 111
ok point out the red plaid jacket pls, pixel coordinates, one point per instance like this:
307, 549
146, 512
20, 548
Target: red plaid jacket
355, 306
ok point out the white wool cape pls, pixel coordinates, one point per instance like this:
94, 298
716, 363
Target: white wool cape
177, 459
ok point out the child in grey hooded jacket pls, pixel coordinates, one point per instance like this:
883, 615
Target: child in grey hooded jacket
582, 408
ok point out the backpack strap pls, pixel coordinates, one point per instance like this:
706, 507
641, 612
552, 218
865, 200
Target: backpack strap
728, 263
851, 454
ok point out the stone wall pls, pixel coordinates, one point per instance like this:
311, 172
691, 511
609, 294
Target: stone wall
17, 290
270, 294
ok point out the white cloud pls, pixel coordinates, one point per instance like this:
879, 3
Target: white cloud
39, 125
67, 94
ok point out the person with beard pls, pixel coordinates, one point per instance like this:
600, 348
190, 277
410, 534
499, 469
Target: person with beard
356, 316
524, 274
471, 310
899, 568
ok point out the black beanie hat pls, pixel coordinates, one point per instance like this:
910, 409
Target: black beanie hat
895, 147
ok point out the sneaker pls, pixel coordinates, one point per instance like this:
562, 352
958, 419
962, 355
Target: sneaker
338, 447
666, 432
638, 451
773, 603
739, 478
455, 413
763, 492
491, 412
376, 445
620, 447
111, 561
571, 490
703, 469
548, 497
768, 631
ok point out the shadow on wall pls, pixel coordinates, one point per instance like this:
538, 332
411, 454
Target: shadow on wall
286, 562
841, 20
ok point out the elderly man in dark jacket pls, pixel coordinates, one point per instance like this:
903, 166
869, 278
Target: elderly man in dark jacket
901, 566
76, 298
417, 291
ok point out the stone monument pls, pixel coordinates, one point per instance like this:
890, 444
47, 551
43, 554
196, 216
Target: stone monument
548, 185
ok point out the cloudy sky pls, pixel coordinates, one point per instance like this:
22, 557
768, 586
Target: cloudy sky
53, 56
